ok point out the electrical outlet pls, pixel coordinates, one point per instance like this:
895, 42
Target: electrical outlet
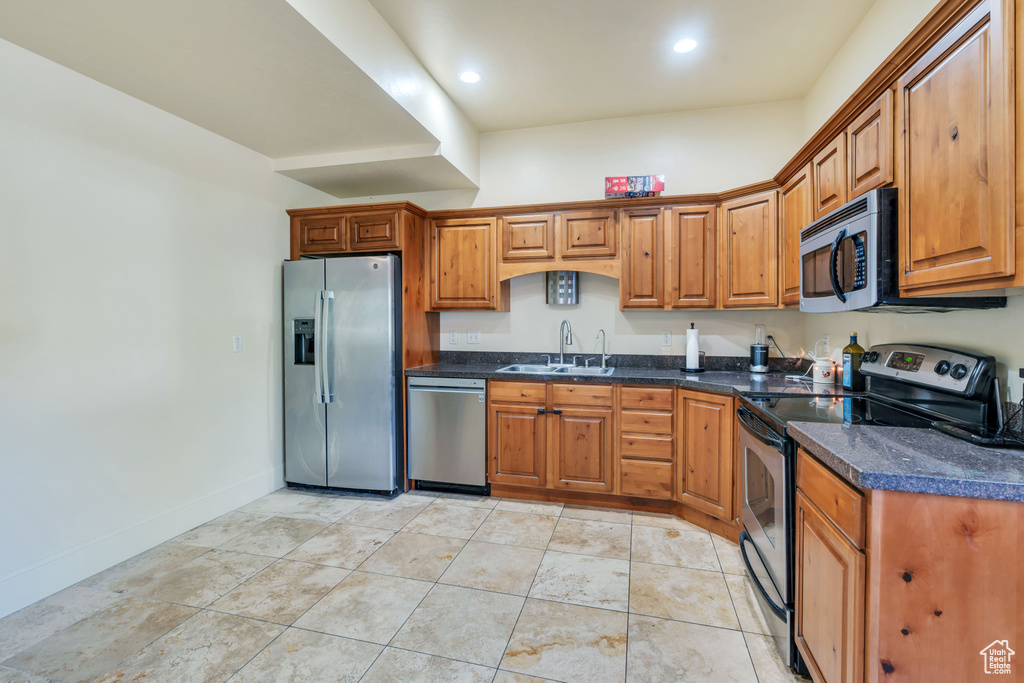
236, 343
473, 337
453, 337
666, 338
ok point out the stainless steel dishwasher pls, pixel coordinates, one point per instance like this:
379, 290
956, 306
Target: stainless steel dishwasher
447, 433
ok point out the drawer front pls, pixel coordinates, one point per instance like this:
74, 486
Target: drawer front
646, 447
646, 422
841, 503
518, 392
323, 234
373, 231
645, 479
581, 394
647, 398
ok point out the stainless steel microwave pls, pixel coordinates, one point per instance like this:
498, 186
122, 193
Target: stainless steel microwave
849, 260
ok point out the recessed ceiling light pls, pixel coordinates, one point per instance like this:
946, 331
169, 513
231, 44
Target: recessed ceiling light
469, 77
685, 45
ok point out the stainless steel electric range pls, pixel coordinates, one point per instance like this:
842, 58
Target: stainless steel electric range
909, 385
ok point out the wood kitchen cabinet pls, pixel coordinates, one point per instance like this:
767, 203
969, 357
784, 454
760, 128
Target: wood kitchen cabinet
463, 267
828, 172
869, 156
588, 234
343, 230
955, 157
642, 284
581, 453
705, 433
748, 251
795, 213
517, 434
690, 250
646, 461
550, 435
528, 237
830, 571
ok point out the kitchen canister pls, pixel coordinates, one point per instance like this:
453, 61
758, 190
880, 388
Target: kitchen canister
823, 371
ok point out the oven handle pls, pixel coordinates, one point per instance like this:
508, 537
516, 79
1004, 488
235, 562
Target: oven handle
833, 272
779, 612
742, 415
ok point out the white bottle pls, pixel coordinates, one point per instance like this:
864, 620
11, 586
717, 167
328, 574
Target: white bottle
692, 348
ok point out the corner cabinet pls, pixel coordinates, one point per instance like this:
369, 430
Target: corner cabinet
748, 251
463, 273
706, 452
955, 158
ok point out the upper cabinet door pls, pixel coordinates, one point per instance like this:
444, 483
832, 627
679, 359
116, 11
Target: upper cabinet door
322, 234
955, 155
462, 264
642, 282
374, 231
869, 159
528, 237
748, 251
795, 213
588, 234
690, 257
829, 169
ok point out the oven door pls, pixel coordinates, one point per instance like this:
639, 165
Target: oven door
838, 271
764, 541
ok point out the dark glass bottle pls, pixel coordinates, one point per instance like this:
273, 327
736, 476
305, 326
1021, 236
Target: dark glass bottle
852, 377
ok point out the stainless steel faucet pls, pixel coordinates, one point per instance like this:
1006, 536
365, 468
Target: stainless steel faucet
604, 358
564, 337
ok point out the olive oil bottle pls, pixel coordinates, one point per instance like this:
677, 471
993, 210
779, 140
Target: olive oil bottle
852, 377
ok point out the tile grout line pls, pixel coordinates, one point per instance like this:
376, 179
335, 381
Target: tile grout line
629, 593
526, 598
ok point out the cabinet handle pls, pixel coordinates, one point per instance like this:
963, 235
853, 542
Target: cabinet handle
541, 411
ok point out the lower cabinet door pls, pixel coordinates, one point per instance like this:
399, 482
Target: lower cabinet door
583, 451
645, 478
707, 452
829, 598
517, 444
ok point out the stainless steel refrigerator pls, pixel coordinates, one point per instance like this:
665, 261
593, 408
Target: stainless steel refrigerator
342, 361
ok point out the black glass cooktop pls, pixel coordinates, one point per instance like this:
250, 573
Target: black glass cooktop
837, 410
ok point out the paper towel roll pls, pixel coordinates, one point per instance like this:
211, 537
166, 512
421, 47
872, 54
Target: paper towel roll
692, 349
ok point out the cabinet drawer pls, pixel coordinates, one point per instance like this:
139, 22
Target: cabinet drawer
646, 421
646, 447
518, 392
581, 394
842, 504
646, 479
649, 398
373, 231
323, 234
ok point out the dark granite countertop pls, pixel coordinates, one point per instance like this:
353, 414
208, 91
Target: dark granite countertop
721, 382
914, 460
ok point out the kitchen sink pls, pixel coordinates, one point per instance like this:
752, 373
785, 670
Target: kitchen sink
584, 371
529, 369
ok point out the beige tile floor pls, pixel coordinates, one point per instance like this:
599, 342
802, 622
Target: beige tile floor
303, 587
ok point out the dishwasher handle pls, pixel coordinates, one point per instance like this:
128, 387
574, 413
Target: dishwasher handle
445, 390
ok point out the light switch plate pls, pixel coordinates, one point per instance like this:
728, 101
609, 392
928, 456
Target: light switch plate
666, 338
236, 343
473, 337
453, 337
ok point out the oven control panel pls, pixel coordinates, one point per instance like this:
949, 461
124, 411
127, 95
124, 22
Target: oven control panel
934, 367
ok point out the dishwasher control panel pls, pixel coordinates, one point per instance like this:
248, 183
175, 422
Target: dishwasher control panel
449, 382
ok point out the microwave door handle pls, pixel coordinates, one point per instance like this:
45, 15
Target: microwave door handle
833, 272
779, 611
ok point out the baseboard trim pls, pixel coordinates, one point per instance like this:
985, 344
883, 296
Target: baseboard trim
64, 568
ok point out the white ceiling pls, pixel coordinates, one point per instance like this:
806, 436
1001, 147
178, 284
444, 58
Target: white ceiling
306, 82
547, 62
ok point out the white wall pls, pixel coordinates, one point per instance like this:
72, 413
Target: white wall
133, 245
533, 325
885, 26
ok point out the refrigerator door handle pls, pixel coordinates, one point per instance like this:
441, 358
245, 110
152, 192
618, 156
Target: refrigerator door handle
328, 392
318, 340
